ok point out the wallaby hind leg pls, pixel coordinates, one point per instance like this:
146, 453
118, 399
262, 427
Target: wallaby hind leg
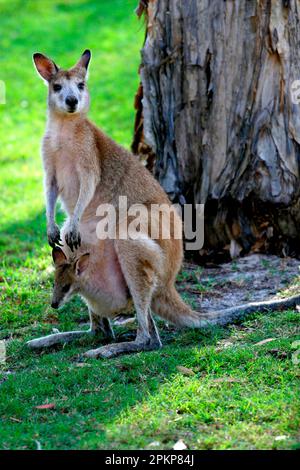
101, 325
98, 325
56, 338
139, 262
151, 342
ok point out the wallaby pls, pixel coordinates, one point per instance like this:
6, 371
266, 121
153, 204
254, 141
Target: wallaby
86, 169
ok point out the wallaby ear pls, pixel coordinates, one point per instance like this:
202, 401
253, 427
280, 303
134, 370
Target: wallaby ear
45, 67
82, 263
84, 59
58, 256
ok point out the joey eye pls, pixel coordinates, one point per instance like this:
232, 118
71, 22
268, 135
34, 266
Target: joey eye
57, 87
81, 86
66, 288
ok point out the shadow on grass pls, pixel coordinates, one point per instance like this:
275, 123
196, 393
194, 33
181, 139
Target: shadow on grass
88, 395
130, 401
25, 273
26, 239
23, 239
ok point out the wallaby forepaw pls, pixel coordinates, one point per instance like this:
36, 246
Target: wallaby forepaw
73, 239
53, 234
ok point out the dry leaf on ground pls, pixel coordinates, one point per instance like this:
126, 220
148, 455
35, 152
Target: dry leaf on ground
185, 370
47, 406
264, 341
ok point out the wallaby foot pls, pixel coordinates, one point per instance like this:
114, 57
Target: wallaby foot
57, 338
114, 350
141, 343
102, 325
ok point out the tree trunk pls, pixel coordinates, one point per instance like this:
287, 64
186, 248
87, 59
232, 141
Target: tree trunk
218, 116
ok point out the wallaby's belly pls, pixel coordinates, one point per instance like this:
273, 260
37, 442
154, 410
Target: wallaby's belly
110, 293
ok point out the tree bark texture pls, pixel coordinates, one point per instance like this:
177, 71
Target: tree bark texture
216, 119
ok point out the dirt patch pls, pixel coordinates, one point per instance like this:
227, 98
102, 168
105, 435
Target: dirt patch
253, 278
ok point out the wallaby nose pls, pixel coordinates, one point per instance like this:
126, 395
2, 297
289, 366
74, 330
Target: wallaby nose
71, 101
54, 305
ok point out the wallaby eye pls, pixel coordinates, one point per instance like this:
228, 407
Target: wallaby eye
81, 86
57, 87
66, 288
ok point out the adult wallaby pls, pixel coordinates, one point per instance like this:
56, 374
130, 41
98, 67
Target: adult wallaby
88, 169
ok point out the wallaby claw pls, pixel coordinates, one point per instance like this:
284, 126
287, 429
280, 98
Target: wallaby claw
73, 239
54, 236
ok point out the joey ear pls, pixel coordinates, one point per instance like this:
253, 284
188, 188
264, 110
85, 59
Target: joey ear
82, 263
84, 59
45, 67
58, 256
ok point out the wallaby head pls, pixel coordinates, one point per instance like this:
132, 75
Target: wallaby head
68, 276
67, 90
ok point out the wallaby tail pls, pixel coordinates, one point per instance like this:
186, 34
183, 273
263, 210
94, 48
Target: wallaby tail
169, 306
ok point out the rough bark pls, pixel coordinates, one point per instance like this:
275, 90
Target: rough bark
215, 108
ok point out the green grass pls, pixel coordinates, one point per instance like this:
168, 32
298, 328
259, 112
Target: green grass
238, 395
241, 395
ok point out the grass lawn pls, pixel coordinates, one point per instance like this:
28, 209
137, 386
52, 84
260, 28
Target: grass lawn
214, 389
